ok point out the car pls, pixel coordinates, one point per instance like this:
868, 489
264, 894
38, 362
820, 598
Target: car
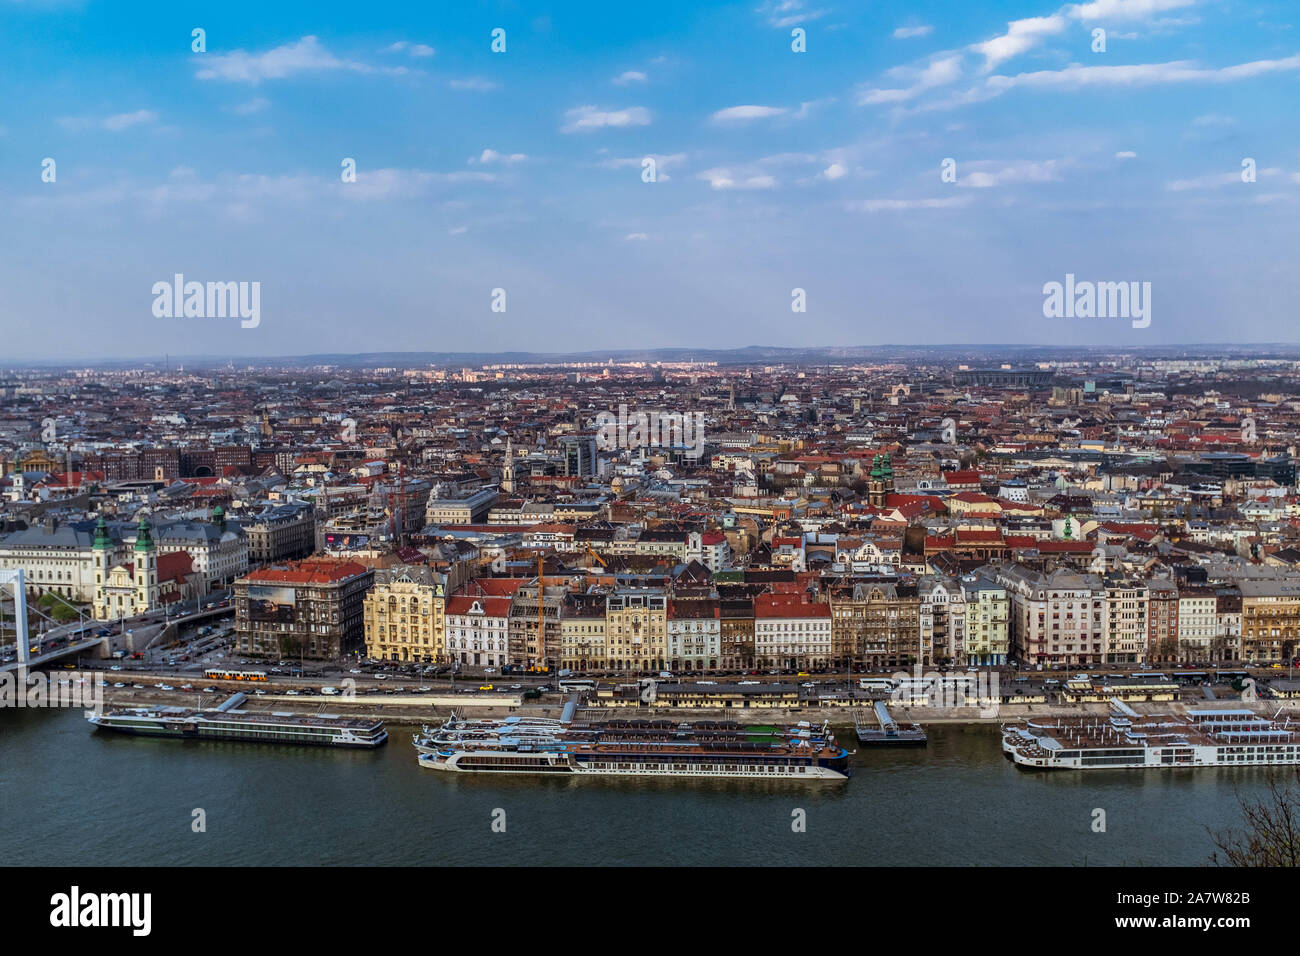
804, 684
516, 686
485, 687
489, 670
116, 667
354, 671
164, 687
209, 690
291, 693
119, 684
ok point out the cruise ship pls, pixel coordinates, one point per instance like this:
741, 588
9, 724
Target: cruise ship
270, 728
1125, 739
662, 748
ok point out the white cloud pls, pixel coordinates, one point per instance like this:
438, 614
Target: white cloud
114, 124
305, 56
636, 236
833, 171
787, 13
743, 114
1021, 35
1215, 180
629, 76
940, 71
906, 33
381, 184
1123, 9
458, 231
413, 49
584, 118
492, 156
1126, 154
1076, 77
986, 174
902, 205
722, 178
126, 120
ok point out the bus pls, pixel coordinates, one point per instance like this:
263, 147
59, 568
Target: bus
221, 673
577, 683
876, 684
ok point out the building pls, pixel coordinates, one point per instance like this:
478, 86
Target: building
283, 532
736, 633
636, 629
478, 630
469, 507
710, 548
791, 632
1199, 637
988, 622
1270, 620
218, 549
582, 633
1060, 617
875, 625
532, 646
60, 557
1126, 630
305, 609
694, 635
941, 613
405, 615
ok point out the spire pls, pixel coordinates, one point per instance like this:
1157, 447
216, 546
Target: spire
102, 541
219, 518
143, 537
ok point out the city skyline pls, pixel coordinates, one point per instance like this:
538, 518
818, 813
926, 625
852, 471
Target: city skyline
524, 171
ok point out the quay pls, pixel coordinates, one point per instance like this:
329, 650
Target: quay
888, 732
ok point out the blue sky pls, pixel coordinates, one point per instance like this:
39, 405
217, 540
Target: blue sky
522, 170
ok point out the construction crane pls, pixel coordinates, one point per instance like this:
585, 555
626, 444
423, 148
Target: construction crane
541, 607
592, 551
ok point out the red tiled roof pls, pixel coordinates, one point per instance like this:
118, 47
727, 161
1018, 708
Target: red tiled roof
311, 571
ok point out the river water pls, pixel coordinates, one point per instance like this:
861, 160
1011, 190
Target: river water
70, 796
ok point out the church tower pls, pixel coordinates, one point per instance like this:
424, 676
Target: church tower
508, 469
101, 553
146, 569
881, 483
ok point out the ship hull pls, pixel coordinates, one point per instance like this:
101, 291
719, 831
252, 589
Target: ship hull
188, 733
559, 766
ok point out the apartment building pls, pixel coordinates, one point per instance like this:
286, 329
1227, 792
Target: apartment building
405, 615
306, 609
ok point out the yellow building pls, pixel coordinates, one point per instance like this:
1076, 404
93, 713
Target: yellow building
582, 633
636, 629
1270, 620
405, 615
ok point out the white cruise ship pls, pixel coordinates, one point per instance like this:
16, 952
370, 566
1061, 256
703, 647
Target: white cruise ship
1125, 739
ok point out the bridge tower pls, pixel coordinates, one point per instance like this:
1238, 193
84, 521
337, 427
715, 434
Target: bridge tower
17, 581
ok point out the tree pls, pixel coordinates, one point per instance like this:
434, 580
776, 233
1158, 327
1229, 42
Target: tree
1271, 835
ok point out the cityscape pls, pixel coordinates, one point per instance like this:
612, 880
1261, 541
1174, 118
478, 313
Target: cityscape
782, 434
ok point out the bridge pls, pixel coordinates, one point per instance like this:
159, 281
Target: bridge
86, 640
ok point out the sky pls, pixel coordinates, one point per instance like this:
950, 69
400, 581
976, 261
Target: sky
921, 170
